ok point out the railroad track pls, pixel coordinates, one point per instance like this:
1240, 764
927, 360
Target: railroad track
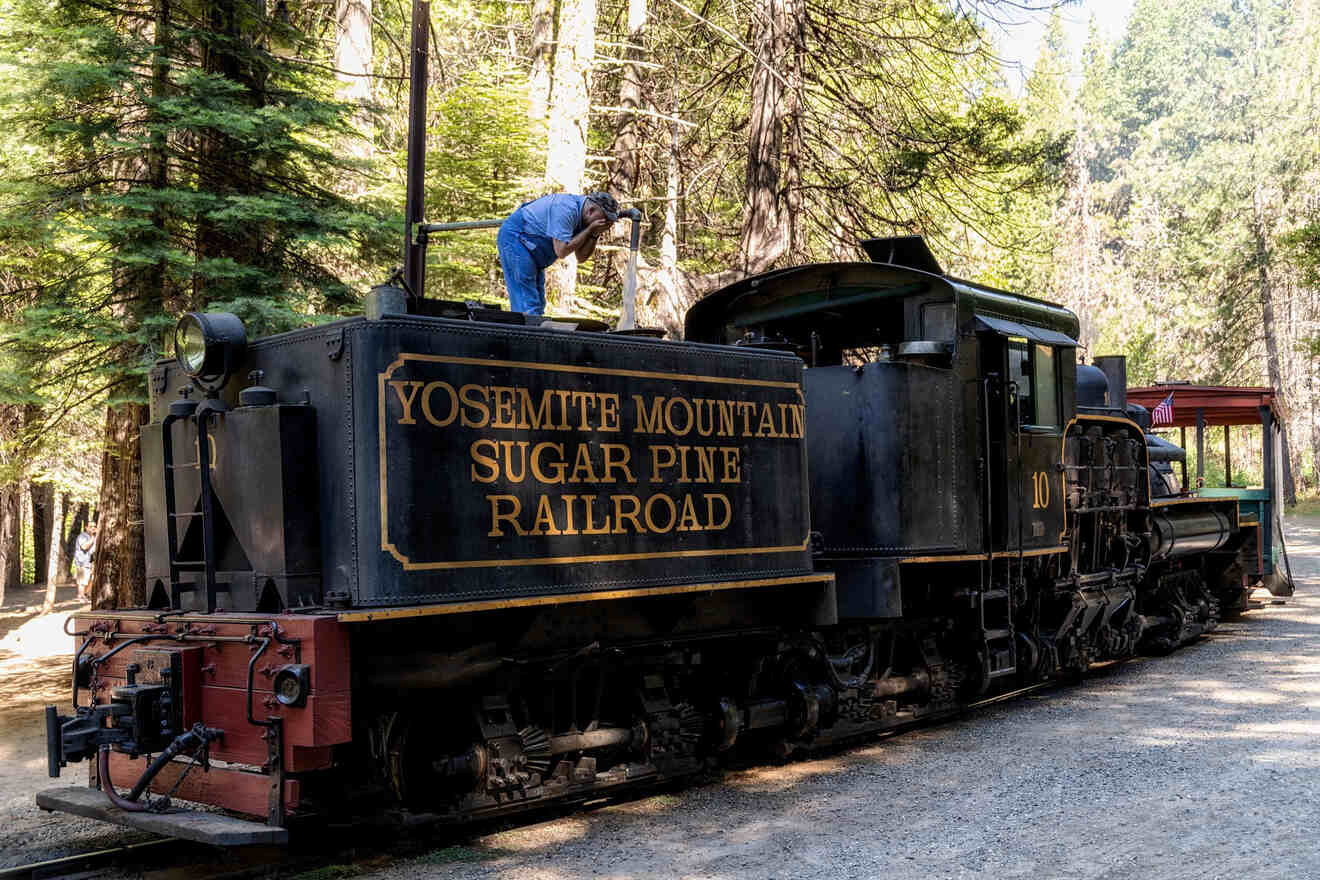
330, 845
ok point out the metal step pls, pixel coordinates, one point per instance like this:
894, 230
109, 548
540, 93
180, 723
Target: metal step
993, 635
212, 828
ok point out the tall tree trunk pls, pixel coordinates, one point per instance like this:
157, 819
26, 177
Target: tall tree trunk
625, 169
763, 239
795, 218
672, 284
11, 424
53, 574
541, 52
73, 520
43, 502
10, 548
773, 173
353, 68
570, 110
119, 568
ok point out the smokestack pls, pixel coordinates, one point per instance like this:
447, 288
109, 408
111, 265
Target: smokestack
1114, 366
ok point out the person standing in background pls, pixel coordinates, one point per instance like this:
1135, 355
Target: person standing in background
82, 558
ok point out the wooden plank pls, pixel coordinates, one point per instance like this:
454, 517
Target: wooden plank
209, 828
324, 647
238, 790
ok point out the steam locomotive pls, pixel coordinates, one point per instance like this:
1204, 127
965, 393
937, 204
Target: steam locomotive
457, 560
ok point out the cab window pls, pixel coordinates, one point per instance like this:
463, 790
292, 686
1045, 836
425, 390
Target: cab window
1047, 387
1033, 369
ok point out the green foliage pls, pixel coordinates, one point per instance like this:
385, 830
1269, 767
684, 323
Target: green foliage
176, 164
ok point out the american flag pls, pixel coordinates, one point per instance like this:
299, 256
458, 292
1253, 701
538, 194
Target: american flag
1162, 415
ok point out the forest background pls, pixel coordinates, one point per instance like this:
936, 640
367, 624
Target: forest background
159, 156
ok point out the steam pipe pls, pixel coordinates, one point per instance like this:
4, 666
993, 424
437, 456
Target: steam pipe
414, 244
628, 319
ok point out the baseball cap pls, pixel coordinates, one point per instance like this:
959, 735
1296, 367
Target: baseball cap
606, 203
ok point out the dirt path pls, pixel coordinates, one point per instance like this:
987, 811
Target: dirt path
1199, 765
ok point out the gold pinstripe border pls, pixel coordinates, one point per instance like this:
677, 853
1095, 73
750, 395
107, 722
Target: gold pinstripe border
535, 601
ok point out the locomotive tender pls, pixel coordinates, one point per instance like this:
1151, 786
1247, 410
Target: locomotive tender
446, 559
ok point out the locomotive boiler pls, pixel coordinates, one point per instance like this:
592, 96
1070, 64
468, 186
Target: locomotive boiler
446, 559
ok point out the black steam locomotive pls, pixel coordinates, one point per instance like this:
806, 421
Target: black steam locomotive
446, 558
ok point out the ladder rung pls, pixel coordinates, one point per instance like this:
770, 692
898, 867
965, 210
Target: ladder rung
183, 515
190, 565
994, 594
186, 466
1000, 673
996, 634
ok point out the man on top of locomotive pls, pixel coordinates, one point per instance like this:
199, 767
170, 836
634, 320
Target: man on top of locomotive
544, 230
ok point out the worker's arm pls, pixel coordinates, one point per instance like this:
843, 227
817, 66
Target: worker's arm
584, 243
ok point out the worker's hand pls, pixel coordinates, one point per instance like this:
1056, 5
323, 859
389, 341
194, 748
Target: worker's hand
596, 227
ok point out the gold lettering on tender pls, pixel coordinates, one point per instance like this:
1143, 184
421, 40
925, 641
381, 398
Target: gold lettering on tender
746, 407
732, 472
687, 519
504, 411
583, 400
631, 515
649, 421
683, 463
707, 426
472, 403
562, 394
509, 446
487, 461
582, 466
783, 420
705, 464
657, 469
557, 468
609, 412
590, 528
569, 528
617, 456
406, 399
669, 416
798, 411
650, 520
497, 516
766, 427
426, 404
544, 522
726, 418
533, 417
710, 512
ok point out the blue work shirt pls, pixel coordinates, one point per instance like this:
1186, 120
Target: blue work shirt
557, 216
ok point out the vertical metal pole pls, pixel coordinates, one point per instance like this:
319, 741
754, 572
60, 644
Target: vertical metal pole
1200, 448
414, 251
1182, 441
1273, 502
1228, 458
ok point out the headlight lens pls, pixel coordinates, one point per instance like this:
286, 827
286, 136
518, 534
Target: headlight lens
208, 345
190, 344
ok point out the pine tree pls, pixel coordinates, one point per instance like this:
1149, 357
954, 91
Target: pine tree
184, 166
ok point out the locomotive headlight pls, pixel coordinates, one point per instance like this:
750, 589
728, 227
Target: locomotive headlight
208, 345
292, 684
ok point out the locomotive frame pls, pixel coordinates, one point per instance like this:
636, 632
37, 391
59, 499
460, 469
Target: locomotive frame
976, 519
445, 558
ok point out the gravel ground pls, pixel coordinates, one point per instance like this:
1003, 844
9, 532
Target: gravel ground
1197, 765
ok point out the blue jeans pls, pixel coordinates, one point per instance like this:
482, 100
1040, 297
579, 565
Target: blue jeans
523, 259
